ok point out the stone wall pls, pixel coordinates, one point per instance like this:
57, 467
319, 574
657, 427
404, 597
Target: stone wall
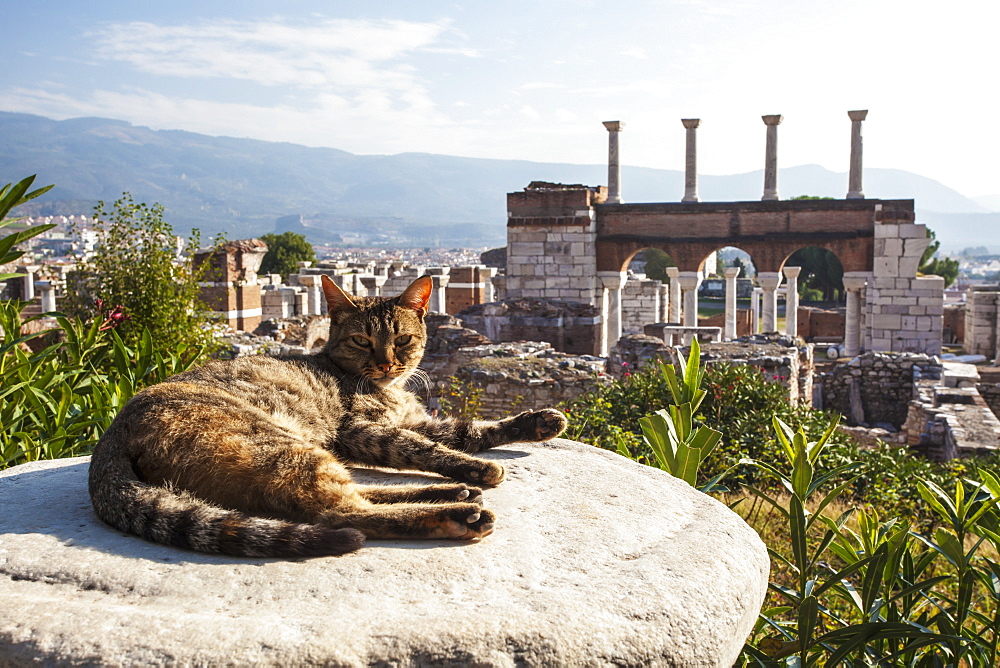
551, 232
875, 389
947, 421
643, 302
468, 286
991, 395
982, 315
569, 327
744, 320
820, 324
230, 287
506, 378
637, 351
953, 324
781, 359
903, 310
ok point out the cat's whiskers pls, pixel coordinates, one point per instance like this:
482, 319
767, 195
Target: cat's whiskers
419, 380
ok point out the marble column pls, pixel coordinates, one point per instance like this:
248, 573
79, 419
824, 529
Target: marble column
792, 300
854, 187
854, 283
48, 295
664, 303
730, 331
489, 290
373, 283
771, 157
769, 282
674, 314
437, 302
755, 310
28, 281
689, 283
614, 164
691, 160
612, 283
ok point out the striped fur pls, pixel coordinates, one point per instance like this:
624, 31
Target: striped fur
249, 457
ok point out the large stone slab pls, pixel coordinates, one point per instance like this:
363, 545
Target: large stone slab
595, 560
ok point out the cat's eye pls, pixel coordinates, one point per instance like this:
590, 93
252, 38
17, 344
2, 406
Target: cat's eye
403, 340
361, 341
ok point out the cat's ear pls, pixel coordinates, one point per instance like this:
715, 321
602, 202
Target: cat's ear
417, 295
336, 299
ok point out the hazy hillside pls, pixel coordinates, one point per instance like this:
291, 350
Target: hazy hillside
242, 185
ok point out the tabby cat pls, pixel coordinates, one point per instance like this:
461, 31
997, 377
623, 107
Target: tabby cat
248, 456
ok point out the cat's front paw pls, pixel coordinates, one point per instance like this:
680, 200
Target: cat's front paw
533, 426
463, 522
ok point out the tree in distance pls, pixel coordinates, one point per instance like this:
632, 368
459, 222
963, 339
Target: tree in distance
944, 267
284, 252
656, 264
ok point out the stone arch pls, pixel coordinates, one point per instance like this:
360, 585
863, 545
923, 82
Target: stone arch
834, 287
573, 241
724, 282
645, 294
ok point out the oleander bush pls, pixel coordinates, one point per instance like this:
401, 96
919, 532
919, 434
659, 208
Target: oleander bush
62, 384
847, 587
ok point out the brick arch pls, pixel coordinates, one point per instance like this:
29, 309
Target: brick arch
768, 231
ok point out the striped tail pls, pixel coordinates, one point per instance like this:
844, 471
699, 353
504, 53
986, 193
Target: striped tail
177, 518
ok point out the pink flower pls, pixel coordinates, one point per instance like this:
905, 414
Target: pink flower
115, 317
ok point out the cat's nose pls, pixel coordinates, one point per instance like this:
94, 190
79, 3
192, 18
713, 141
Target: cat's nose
385, 367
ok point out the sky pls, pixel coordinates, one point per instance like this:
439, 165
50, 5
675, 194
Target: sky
533, 80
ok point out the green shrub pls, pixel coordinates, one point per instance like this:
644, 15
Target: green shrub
137, 265
862, 594
56, 401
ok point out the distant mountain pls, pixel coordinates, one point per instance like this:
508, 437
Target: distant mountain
243, 186
991, 202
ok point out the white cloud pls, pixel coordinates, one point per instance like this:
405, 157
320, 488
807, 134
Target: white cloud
635, 52
529, 112
540, 85
324, 54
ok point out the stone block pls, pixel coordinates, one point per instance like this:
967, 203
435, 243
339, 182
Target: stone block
881, 343
526, 235
915, 247
397, 602
908, 265
527, 249
912, 231
893, 247
891, 321
886, 267
878, 283
886, 231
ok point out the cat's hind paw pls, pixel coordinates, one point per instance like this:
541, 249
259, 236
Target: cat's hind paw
452, 492
479, 471
460, 523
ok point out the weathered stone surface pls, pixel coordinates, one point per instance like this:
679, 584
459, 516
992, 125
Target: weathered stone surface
596, 560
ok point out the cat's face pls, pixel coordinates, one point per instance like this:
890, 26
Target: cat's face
378, 338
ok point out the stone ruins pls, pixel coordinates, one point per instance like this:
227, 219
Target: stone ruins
565, 282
